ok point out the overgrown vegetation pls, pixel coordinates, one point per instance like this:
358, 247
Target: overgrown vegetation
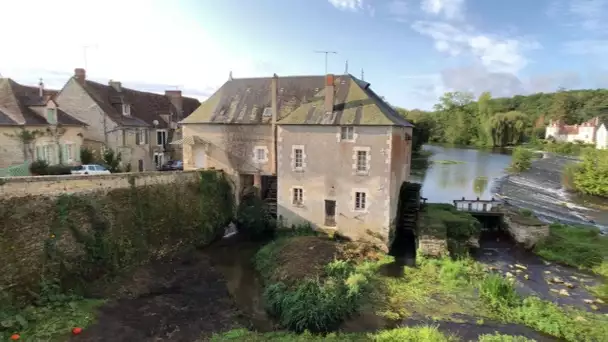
405, 334
521, 159
578, 246
459, 118
85, 237
253, 217
443, 221
590, 176
446, 289
308, 285
564, 148
51, 316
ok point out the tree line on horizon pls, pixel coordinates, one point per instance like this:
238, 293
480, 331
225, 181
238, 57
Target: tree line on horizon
460, 118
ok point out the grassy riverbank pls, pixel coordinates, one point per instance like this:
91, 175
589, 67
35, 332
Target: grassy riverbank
406, 334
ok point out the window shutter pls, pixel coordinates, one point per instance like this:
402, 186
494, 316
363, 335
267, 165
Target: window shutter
146, 136
138, 138
76, 152
39, 153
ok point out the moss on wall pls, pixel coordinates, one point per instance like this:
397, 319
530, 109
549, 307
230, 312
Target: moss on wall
78, 238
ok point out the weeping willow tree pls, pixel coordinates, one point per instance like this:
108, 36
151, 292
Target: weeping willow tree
508, 128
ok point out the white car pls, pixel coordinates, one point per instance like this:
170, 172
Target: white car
90, 169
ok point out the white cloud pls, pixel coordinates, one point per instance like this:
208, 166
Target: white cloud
450, 9
130, 48
349, 5
498, 54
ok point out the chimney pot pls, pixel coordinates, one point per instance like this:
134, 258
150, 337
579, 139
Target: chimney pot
116, 85
329, 93
41, 88
80, 75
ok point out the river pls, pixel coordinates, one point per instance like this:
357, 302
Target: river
454, 173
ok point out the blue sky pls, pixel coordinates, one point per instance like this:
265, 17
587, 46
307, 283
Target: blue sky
410, 50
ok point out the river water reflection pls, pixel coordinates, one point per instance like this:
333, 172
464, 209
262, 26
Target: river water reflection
454, 173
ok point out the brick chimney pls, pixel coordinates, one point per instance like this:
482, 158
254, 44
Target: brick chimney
329, 93
41, 89
80, 75
116, 85
175, 97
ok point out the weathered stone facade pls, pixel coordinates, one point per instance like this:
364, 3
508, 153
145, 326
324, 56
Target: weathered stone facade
526, 231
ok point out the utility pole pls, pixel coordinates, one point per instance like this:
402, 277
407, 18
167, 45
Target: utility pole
326, 54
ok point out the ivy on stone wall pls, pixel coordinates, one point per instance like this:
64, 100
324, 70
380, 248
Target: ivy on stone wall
79, 238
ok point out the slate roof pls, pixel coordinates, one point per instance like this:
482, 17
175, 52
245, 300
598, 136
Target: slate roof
23, 105
145, 107
300, 101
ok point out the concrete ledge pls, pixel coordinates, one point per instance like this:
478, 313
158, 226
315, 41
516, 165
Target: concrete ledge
56, 185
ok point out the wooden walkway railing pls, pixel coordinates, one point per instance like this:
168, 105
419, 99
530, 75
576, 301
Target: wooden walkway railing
478, 205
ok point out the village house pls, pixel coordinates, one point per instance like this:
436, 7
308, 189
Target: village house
137, 124
326, 150
34, 127
585, 132
601, 136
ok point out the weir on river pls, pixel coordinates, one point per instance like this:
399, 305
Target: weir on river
457, 172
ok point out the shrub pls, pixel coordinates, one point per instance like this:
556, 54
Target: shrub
498, 293
39, 167
589, 177
87, 156
58, 170
521, 159
253, 218
318, 301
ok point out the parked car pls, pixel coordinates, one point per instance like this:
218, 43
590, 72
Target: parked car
90, 169
173, 165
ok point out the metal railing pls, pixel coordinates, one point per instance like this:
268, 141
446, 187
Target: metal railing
21, 170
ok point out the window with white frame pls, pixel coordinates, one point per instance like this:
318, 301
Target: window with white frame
126, 109
142, 137
161, 137
362, 165
298, 158
347, 133
298, 196
360, 201
260, 154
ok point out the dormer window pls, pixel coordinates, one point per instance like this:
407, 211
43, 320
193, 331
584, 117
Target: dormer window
126, 109
51, 116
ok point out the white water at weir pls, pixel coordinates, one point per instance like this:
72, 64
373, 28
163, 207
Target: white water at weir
539, 189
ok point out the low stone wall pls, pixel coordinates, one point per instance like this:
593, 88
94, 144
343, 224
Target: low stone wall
433, 246
525, 230
75, 229
57, 185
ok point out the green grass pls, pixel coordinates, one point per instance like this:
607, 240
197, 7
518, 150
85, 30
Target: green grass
441, 289
578, 246
318, 300
405, 334
437, 289
48, 323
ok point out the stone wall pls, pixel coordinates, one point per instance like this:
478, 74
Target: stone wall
433, 246
57, 185
76, 229
527, 231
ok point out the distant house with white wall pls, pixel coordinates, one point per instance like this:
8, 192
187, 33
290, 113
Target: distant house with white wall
135, 123
601, 136
585, 132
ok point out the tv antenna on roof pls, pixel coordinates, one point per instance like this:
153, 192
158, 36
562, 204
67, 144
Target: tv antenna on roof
85, 49
326, 54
